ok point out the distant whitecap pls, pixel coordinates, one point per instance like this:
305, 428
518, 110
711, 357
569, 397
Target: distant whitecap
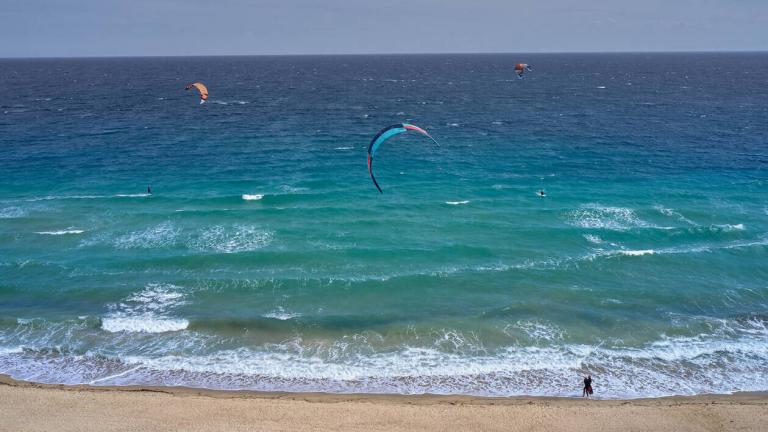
637, 252
60, 232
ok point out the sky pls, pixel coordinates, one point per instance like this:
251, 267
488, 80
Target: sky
63, 28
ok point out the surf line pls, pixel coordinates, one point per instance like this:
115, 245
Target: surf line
114, 376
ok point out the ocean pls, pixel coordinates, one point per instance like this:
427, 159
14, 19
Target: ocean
265, 258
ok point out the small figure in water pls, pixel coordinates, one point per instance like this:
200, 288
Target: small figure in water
149, 190
542, 193
587, 386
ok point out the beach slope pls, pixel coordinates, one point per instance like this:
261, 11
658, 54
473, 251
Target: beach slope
36, 407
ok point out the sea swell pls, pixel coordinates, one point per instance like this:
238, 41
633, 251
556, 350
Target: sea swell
267, 259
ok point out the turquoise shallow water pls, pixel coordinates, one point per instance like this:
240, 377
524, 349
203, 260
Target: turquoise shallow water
266, 259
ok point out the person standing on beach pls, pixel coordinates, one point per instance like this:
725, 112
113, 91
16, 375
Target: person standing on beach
587, 386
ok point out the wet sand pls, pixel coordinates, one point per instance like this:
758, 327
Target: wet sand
38, 407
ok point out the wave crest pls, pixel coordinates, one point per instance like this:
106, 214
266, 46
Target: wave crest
60, 232
147, 311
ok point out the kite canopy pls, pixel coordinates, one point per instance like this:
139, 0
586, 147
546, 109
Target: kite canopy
201, 88
385, 134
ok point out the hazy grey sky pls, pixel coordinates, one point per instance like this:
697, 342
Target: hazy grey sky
209, 27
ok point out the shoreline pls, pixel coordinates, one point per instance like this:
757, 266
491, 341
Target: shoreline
410, 399
34, 406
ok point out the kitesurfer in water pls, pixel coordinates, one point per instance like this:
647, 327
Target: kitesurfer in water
200, 88
542, 193
520, 69
149, 190
587, 386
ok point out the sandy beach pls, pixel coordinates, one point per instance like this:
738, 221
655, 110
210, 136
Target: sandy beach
36, 407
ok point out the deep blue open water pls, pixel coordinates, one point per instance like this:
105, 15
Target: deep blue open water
266, 259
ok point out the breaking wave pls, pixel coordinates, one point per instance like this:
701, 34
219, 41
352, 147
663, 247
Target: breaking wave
147, 311
454, 364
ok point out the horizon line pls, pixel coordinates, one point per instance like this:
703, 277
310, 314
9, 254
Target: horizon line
746, 51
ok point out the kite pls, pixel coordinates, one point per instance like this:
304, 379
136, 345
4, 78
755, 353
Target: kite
201, 88
385, 134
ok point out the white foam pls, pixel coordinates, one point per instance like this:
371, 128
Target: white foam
595, 216
645, 371
610, 301
60, 232
730, 227
234, 102
147, 311
456, 202
159, 236
137, 195
538, 330
143, 324
281, 314
12, 213
252, 197
685, 249
11, 350
601, 87
113, 376
407, 362
292, 189
637, 252
343, 148
87, 197
672, 213
234, 239
446, 361
593, 238
711, 247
